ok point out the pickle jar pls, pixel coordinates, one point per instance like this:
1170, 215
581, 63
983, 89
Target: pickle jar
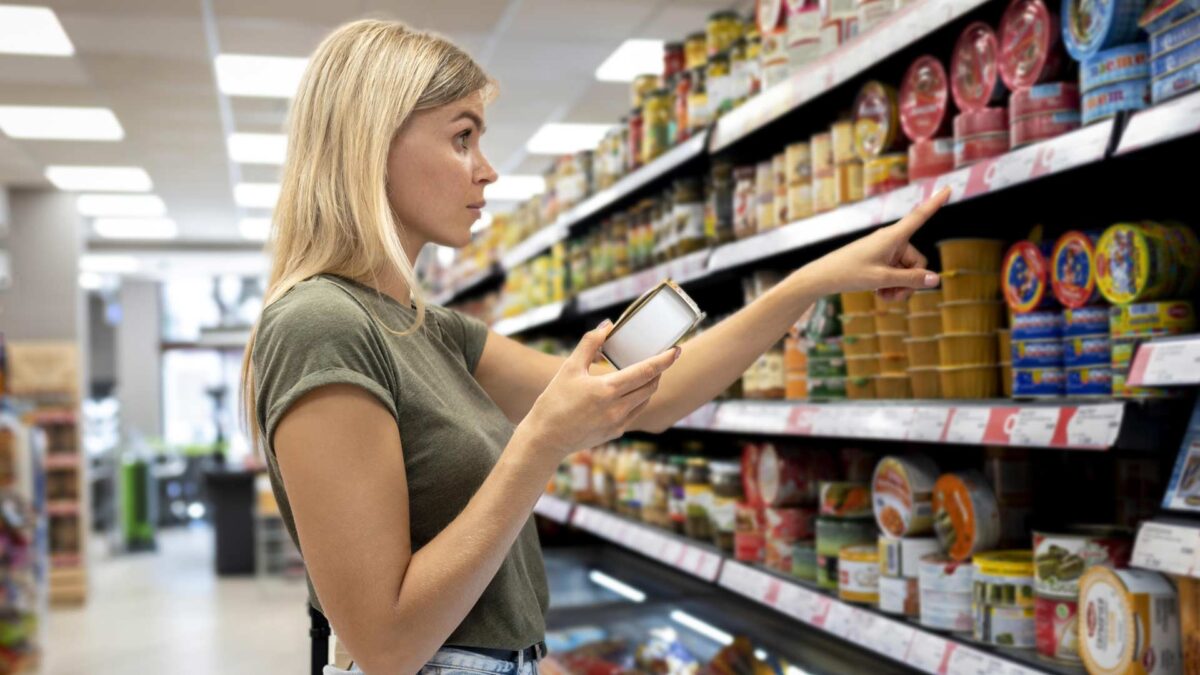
698, 497
656, 115
689, 215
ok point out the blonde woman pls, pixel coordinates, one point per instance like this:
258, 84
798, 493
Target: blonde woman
407, 444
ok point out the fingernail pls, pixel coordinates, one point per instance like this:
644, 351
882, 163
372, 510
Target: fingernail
604, 324
678, 351
931, 279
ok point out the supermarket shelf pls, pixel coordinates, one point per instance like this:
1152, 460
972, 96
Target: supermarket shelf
681, 270
65, 560
44, 418
1090, 426
62, 508
554, 508
533, 245
898, 32
538, 316
699, 560
1167, 362
1172, 547
59, 461
1161, 123
1049, 157
491, 274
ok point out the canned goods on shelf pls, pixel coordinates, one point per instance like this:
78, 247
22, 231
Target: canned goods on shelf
1185, 245
1004, 579
1176, 83
884, 174
901, 557
1045, 353
1133, 263
966, 515
972, 123
845, 499
1090, 27
1091, 350
1073, 269
1104, 102
1061, 558
1039, 382
929, 159
804, 560
1029, 44
940, 573
1131, 624
1169, 317
1043, 127
1089, 381
1044, 98
1005, 626
1127, 62
848, 182
790, 478
1177, 26
1085, 321
834, 534
822, 152
925, 99
899, 597
876, 121
975, 79
858, 574
1037, 325
945, 588
1026, 278
968, 151
901, 492
842, 133
1056, 624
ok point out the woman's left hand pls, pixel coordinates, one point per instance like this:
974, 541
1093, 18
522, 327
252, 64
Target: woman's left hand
883, 261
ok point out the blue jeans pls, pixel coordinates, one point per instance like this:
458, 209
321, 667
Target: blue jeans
459, 662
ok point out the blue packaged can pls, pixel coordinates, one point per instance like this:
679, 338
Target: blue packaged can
1090, 350
1091, 26
1177, 27
1106, 102
1039, 382
1037, 325
1127, 62
1037, 353
1089, 381
1169, 62
1178, 82
1085, 321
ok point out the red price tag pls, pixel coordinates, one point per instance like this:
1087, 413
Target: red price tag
1000, 425
928, 424
800, 420
928, 652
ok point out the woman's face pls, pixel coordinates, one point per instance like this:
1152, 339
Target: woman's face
436, 174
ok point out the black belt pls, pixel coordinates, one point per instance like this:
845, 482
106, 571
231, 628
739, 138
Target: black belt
534, 653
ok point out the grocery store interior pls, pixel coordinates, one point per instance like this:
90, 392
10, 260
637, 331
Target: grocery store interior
999, 475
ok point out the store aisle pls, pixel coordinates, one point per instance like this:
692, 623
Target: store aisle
169, 613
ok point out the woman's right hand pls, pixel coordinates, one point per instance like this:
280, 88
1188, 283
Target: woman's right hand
580, 410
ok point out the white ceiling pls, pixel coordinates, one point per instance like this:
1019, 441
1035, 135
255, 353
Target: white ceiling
151, 62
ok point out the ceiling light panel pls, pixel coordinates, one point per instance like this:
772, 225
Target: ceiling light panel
99, 178
561, 139
515, 187
60, 124
32, 30
247, 148
119, 206
255, 229
256, 195
135, 228
259, 76
632, 58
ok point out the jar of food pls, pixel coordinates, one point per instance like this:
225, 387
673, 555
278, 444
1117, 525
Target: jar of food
680, 122
673, 59
739, 69
726, 480
636, 127
699, 112
641, 87
689, 215
720, 89
656, 117
754, 59
718, 218
676, 498
695, 50
645, 227
654, 493
698, 499
620, 245
721, 30
745, 202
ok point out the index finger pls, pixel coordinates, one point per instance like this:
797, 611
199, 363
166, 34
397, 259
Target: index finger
632, 377
908, 225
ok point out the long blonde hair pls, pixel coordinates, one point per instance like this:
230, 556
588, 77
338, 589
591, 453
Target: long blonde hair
333, 214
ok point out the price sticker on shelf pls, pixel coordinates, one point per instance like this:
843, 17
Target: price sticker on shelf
1035, 426
968, 424
840, 619
1167, 363
796, 602
710, 566
929, 653
1095, 426
820, 611
1173, 549
892, 421
892, 638
928, 423
801, 419
752, 417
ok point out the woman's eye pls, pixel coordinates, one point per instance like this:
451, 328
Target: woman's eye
463, 138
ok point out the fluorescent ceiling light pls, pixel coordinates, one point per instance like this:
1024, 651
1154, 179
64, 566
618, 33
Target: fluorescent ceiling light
616, 586
707, 630
58, 123
255, 229
100, 206
106, 263
32, 30
90, 281
99, 178
515, 187
561, 139
484, 222
257, 148
632, 58
261, 76
136, 228
256, 195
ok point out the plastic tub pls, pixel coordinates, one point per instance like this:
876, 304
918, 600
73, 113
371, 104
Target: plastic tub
1006, 379
925, 382
970, 285
859, 324
882, 305
922, 352
893, 387
892, 343
864, 345
862, 366
970, 253
890, 322
972, 316
893, 364
925, 301
861, 388
961, 349
858, 302
925, 324
969, 381
1004, 344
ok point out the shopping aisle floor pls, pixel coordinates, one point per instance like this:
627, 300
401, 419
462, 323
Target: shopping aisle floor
167, 612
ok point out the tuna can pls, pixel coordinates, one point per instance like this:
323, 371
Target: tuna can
1184, 243
1004, 579
1043, 98
1127, 62
858, 574
1091, 350
876, 121
929, 159
1046, 353
791, 478
1085, 321
966, 516
842, 133
1166, 63
1179, 26
1043, 127
980, 122
1089, 381
1039, 382
902, 495
902, 557
900, 597
1037, 325
925, 99
1073, 269
1178, 82
1129, 623
968, 151
1012, 627
1060, 559
1025, 278
1029, 44
1090, 27
975, 81
1056, 624
1171, 317
1133, 263
884, 174
945, 588
1104, 102
834, 534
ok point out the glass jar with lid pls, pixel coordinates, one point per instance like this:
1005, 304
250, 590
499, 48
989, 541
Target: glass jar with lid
695, 50
726, 480
718, 78
656, 116
698, 496
642, 85
688, 199
721, 29
674, 59
676, 498
699, 113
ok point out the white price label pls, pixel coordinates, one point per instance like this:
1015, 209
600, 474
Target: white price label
893, 639
710, 566
840, 620
1173, 549
1162, 123
752, 417
968, 424
797, 602
928, 424
892, 421
1170, 363
673, 553
1035, 426
1095, 426
928, 652
691, 558
967, 661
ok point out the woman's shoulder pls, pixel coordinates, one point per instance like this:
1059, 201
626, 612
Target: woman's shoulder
318, 308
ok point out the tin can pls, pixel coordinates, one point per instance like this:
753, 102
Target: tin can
1185, 247
791, 478
966, 515
1104, 102
884, 174
1078, 321
1012, 627
902, 495
975, 81
1089, 381
834, 534
1039, 382
1090, 27
843, 499
968, 124
1073, 269
842, 133
1037, 325
848, 183
968, 151
1043, 127
1130, 623
1056, 624
1047, 353
790, 524
876, 121
1029, 44
901, 558
1133, 263
900, 597
1043, 98
749, 547
858, 574
1026, 278
1004, 579
1091, 350
822, 152
1179, 82
1179, 25
929, 159
1061, 558
945, 588
925, 99
1119, 64
1170, 317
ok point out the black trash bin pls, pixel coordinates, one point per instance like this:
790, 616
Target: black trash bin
231, 501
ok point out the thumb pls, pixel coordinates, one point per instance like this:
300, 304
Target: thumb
910, 278
589, 346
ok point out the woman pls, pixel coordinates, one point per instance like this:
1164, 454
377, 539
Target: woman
407, 444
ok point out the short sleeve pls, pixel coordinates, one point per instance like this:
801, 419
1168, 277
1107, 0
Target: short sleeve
313, 337
468, 334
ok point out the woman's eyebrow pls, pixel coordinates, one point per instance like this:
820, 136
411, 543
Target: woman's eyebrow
476, 119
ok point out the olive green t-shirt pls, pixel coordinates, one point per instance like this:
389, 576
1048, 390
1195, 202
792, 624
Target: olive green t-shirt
320, 333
